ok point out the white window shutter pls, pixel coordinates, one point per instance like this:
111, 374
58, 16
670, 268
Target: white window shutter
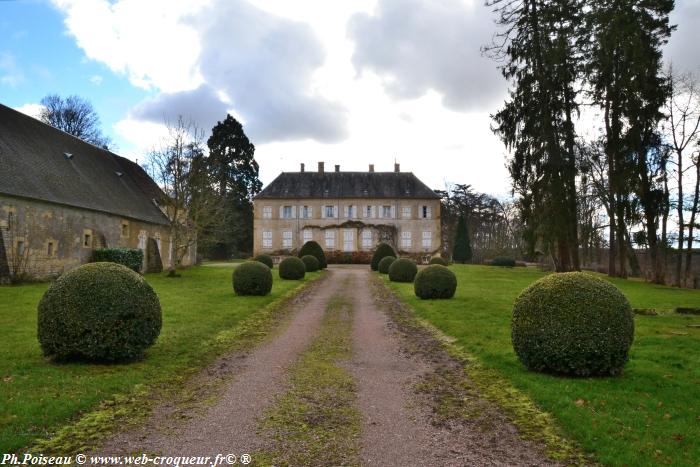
323, 212
336, 211
380, 212
429, 212
356, 214
346, 212
310, 212
393, 212
374, 212
294, 212
281, 212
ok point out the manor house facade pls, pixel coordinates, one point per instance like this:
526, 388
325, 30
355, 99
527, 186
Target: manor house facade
347, 212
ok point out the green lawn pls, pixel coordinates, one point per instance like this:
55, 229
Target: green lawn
648, 416
36, 397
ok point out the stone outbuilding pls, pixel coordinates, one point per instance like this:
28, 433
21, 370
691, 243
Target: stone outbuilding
61, 197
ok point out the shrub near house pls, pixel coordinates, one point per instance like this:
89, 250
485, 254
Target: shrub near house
99, 311
252, 278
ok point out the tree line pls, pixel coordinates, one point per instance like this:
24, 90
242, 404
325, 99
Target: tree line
574, 64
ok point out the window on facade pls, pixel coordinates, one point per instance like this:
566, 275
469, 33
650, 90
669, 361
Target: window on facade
287, 239
307, 212
386, 212
348, 243
267, 212
427, 240
367, 238
308, 235
426, 212
10, 220
405, 240
87, 240
287, 212
330, 238
351, 212
20, 248
267, 239
49, 249
368, 211
330, 211
406, 212
125, 229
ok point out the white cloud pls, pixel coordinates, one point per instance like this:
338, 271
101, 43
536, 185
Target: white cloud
418, 45
33, 110
96, 80
147, 41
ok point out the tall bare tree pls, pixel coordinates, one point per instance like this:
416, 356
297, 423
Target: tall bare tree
76, 116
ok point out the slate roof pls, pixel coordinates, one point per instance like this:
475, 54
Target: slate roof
33, 165
347, 185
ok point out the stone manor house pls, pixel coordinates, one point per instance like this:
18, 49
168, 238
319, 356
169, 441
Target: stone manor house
348, 212
61, 197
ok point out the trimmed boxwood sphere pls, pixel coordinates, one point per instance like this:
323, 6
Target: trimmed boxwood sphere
98, 311
504, 261
438, 260
572, 324
402, 270
292, 268
314, 249
252, 278
265, 259
310, 262
383, 250
384, 264
435, 281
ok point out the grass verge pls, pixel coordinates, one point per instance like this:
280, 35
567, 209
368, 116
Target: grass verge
462, 390
649, 415
316, 421
68, 408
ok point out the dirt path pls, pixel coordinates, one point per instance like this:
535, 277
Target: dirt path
398, 424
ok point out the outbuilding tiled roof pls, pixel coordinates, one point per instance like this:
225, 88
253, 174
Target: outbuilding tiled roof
40, 162
347, 185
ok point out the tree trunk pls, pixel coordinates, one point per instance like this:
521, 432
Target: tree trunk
681, 227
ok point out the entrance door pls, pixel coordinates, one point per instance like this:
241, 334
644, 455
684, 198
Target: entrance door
349, 240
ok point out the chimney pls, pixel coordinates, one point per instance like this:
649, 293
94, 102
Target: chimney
371, 168
397, 167
337, 168
302, 167
320, 167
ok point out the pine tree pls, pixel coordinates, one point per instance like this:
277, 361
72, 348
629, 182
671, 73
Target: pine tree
463, 250
542, 62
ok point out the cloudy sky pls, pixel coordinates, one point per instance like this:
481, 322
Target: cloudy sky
348, 82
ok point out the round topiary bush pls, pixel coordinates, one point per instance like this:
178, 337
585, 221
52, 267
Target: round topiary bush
384, 264
314, 249
572, 324
265, 259
403, 270
438, 260
503, 261
310, 262
435, 281
252, 278
98, 311
292, 268
383, 250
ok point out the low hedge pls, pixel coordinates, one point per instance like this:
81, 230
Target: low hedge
313, 248
572, 324
310, 262
266, 260
384, 264
383, 249
252, 278
503, 261
132, 258
292, 268
403, 270
98, 311
435, 281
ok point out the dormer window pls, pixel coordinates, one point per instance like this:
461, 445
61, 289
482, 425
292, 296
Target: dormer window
68, 155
